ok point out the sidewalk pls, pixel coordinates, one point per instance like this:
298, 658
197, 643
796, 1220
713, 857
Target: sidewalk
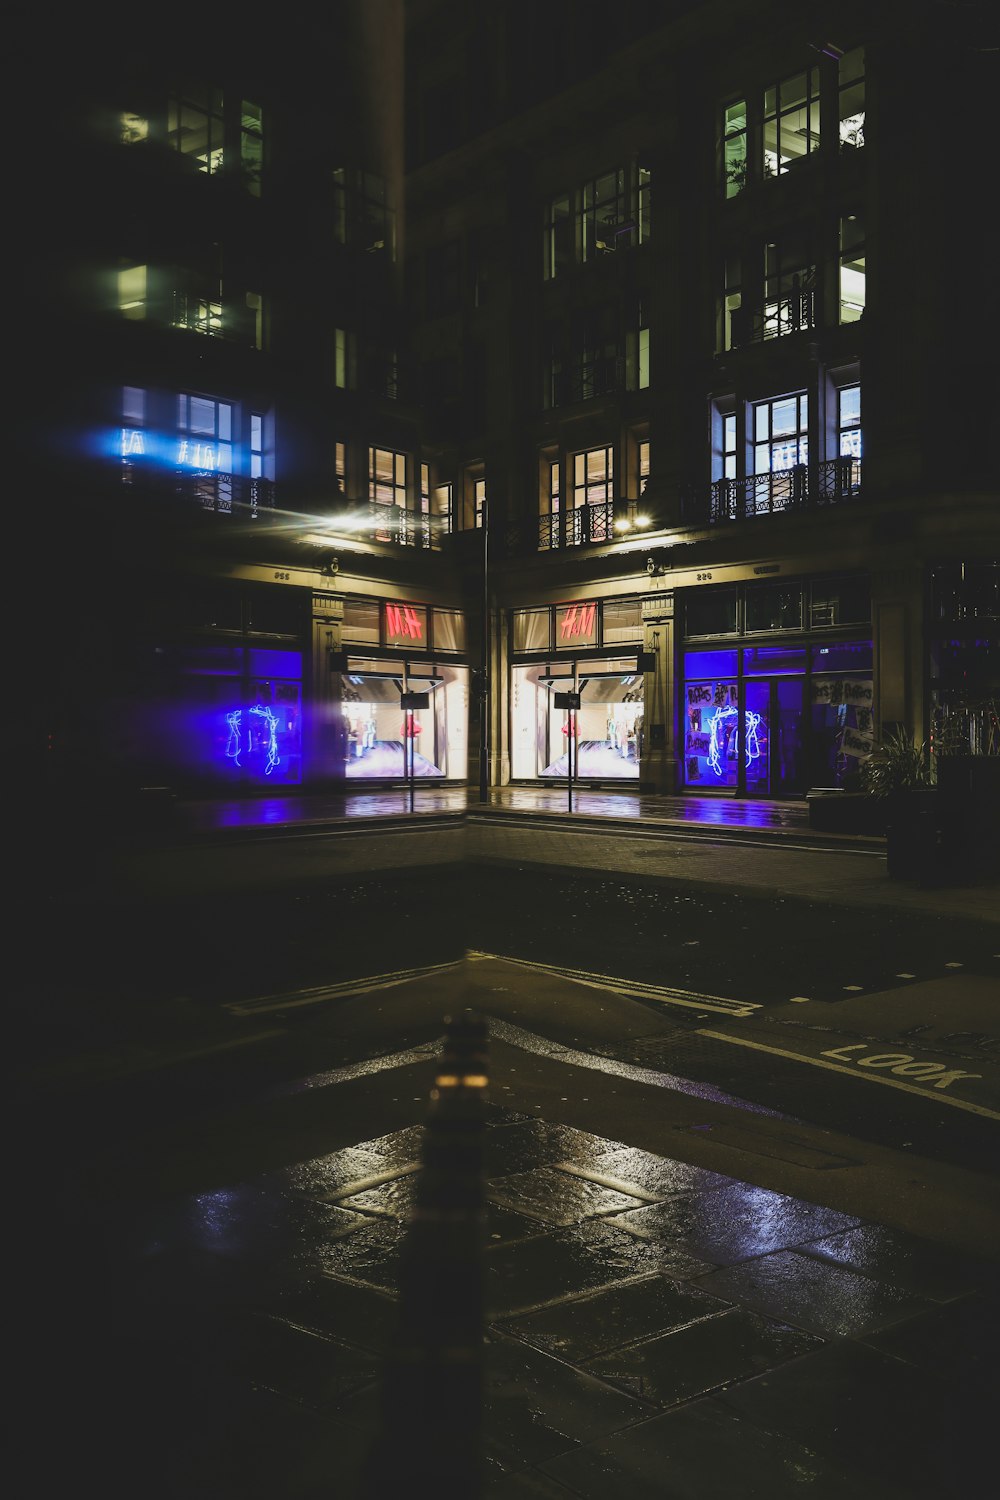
612, 830
665, 1317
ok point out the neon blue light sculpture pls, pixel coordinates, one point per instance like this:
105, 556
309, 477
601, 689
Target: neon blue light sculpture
715, 725
273, 758
234, 746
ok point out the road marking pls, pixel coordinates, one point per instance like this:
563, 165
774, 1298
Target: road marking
290, 1000
817, 1062
666, 994
528, 1041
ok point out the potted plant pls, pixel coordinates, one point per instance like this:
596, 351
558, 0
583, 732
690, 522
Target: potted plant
897, 774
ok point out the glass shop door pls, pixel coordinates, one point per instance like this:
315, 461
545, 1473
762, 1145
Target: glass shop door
772, 763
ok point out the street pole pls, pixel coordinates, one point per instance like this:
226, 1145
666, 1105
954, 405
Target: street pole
484, 674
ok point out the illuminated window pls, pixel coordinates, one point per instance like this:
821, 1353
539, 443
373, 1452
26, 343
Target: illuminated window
200, 314
780, 433
425, 505
643, 456
852, 99
345, 359
132, 292
604, 215
197, 296
133, 436
852, 268
444, 507
256, 446
555, 497
607, 213
195, 126
637, 352
339, 466
791, 122
479, 503
734, 147
387, 488
849, 421
558, 237
789, 283
732, 322
591, 513
729, 445
251, 145
204, 452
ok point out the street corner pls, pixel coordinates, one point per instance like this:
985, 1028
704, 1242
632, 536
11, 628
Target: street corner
939, 1037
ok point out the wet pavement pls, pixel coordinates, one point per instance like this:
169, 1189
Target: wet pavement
684, 1295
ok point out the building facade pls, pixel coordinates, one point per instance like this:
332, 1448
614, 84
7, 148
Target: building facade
509, 393
709, 376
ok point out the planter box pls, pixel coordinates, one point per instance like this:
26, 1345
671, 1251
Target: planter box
970, 788
832, 810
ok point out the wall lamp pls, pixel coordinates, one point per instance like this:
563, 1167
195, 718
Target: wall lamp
637, 523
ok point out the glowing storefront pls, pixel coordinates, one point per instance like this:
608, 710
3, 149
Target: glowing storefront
590, 648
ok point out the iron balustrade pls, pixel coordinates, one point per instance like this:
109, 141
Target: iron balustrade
396, 524
801, 487
778, 318
585, 524
225, 494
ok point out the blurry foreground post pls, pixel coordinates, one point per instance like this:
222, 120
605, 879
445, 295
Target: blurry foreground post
432, 1382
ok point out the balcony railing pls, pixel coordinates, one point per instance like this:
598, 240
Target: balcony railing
795, 313
393, 523
802, 487
226, 494
586, 524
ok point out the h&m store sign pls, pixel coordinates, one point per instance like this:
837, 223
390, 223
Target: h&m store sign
576, 624
405, 625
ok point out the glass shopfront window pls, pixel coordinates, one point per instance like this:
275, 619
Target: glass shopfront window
232, 717
774, 720
841, 703
710, 734
608, 726
531, 630
376, 727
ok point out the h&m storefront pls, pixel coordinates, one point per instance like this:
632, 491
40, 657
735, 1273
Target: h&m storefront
402, 690
588, 649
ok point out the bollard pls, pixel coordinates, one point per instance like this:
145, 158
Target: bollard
431, 1413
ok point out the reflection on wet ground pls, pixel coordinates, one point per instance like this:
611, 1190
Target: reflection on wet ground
640, 1311
630, 805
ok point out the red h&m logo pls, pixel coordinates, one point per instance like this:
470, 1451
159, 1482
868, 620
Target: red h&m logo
402, 619
578, 620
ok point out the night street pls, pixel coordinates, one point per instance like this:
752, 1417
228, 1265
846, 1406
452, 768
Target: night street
685, 1084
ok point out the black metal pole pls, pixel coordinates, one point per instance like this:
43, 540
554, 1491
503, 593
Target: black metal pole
571, 736
484, 676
